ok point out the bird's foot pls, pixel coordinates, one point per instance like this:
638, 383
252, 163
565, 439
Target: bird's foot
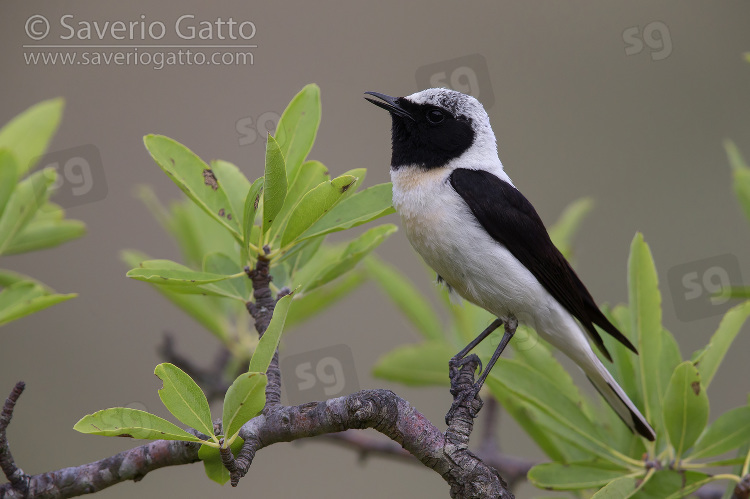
455, 365
465, 392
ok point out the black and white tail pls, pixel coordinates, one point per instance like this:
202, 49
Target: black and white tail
617, 399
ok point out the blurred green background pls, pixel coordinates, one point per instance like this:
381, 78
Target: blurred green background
625, 103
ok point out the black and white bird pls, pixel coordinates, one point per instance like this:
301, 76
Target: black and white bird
464, 216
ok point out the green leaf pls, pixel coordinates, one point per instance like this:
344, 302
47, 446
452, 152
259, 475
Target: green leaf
26, 297
221, 264
200, 308
244, 400
360, 174
351, 256
235, 185
195, 231
708, 363
557, 412
730, 431
360, 208
310, 304
252, 201
28, 134
212, 464
8, 176
563, 231
664, 483
10, 277
741, 292
268, 344
538, 357
132, 423
314, 205
275, 189
692, 487
570, 443
685, 407
406, 297
525, 416
416, 365
621, 488
574, 476
194, 177
184, 398
301, 254
173, 273
311, 174
298, 127
28, 196
645, 310
211, 289
45, 234
740, 176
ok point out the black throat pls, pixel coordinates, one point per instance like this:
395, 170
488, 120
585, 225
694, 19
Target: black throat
419, 142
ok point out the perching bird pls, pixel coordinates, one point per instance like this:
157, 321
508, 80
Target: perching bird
464, 216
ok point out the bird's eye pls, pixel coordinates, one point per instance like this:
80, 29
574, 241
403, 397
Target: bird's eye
435, 116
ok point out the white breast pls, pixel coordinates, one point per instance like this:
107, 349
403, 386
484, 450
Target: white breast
442, 229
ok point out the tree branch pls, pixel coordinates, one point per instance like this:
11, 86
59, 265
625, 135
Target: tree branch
446, 453
262, 311
15, 475
132, 464
742, 490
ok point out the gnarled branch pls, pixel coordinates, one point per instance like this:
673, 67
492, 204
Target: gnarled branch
446, 453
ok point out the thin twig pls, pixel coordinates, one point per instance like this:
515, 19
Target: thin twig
15, 475
262, 310
212, 380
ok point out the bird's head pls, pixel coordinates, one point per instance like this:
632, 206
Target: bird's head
438, 128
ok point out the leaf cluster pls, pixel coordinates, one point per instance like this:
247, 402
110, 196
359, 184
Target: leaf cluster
224, 227
593, 453
228, 222
29, 221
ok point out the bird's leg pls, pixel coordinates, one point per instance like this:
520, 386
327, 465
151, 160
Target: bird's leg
510, 329
460, 391
463, 393
458, 360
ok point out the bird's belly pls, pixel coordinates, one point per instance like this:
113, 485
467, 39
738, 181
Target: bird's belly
442, 229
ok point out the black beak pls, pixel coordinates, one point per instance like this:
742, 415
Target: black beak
390, 104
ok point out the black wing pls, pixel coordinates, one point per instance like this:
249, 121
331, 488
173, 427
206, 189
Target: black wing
512, 221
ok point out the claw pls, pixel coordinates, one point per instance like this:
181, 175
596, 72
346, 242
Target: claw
463, 393
454, 365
